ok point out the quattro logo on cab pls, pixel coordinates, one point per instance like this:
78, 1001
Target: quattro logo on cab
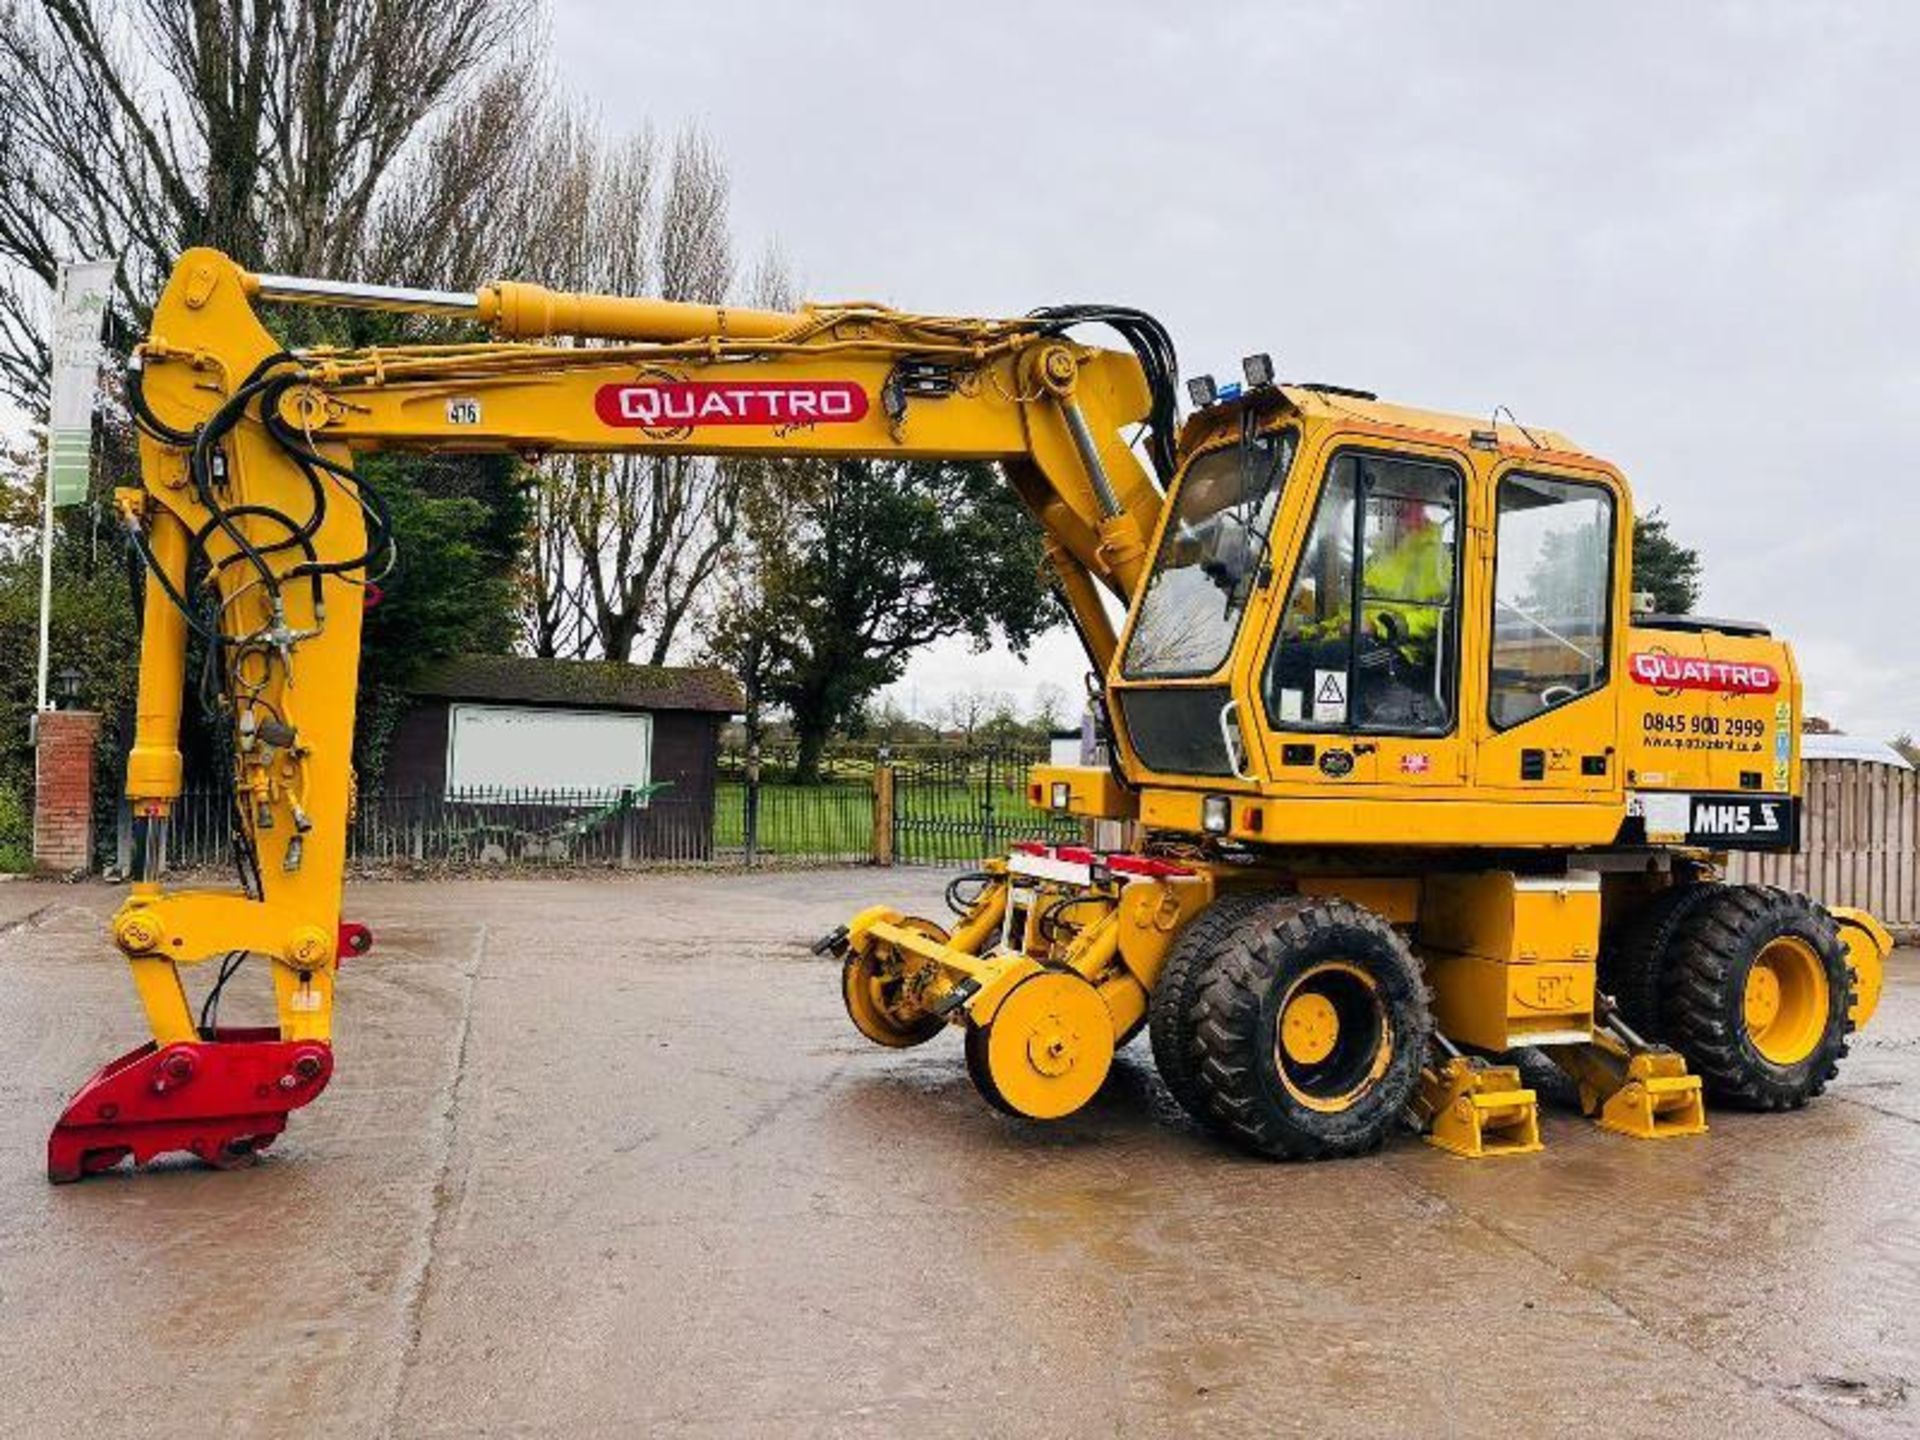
688, 404
1668, 673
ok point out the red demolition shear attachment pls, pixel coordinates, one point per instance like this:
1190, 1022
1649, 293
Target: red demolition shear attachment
223, 1099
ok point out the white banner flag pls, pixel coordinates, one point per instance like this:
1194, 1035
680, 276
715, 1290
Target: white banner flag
79, 312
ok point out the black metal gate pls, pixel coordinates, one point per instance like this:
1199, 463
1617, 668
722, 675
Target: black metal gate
953, 807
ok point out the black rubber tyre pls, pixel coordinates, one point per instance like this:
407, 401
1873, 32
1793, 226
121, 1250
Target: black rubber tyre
1169, 1008
1382, 1036
981, 1072
1552, 1085
1634, 961
1712, 953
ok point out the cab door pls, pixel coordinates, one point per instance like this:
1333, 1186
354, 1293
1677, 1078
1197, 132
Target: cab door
1553, 634
1359, 683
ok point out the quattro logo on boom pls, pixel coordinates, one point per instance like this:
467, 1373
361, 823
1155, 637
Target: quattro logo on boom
677, 404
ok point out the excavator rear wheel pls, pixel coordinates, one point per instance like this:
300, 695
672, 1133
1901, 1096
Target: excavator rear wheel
1633, 962
1756, 994
1310, 1025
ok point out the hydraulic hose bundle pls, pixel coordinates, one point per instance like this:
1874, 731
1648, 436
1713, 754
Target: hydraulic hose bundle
223, 680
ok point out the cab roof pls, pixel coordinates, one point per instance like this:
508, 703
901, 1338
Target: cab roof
1336, 405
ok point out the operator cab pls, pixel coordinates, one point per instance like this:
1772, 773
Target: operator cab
1349, 594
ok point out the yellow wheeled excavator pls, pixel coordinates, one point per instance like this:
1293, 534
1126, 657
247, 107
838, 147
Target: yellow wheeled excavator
1410, 790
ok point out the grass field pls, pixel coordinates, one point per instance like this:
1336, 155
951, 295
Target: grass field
945, 822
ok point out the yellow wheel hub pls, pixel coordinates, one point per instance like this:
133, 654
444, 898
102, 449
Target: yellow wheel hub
1763, 999
1786, 1004
1333, 1039
1049, 1045
1309, 1028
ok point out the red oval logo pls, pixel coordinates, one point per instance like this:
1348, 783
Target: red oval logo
689, 404
1729, 677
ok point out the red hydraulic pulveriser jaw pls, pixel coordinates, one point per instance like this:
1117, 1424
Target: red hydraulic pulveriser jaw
223, 1099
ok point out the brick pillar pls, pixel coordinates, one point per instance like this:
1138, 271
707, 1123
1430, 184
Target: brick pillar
63, 790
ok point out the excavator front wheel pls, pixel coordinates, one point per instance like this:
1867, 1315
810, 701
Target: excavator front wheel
1170, 1010
1309, 1025
1047, 1049
883, 991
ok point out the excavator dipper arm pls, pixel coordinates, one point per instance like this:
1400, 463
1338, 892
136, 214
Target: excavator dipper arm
263, 544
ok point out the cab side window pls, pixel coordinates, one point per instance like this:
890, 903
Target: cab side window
1552, 581
1373, 646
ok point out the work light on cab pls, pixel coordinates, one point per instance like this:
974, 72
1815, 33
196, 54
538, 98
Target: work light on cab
1216, 814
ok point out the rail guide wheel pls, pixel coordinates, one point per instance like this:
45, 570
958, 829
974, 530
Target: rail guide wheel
1047, 1049
883, 990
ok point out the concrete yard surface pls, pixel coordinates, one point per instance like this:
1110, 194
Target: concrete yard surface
604, 1157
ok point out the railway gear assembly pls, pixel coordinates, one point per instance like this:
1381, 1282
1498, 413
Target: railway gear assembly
1412, 787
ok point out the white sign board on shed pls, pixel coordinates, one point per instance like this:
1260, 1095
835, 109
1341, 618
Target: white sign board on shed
512, 747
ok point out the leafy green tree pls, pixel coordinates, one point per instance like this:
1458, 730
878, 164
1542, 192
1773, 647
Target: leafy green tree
851, 567
458, 523
94, 636
1664, 567
92, 632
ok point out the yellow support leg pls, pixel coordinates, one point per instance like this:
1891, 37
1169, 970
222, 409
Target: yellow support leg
1478, 1110
1646, 1094
1659, 1100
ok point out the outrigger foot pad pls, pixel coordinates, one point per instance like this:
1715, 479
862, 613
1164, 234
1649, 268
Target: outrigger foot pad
224, 1099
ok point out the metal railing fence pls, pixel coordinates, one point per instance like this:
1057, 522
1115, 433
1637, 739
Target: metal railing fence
926, 805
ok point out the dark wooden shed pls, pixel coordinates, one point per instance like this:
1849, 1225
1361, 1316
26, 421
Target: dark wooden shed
559, 732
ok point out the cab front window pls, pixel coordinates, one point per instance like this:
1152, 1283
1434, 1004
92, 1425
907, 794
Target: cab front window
1373, 645
1210, 559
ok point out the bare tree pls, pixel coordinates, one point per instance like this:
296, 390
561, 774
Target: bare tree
973, 710
269, 128
409, 141
627, 546
1051, 707
428, 227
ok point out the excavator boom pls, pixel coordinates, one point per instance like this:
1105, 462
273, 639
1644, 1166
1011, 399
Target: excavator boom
261, 539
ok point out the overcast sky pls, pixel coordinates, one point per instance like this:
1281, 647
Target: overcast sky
1688, 235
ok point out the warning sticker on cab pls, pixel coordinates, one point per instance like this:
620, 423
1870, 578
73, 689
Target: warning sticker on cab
1330, 697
